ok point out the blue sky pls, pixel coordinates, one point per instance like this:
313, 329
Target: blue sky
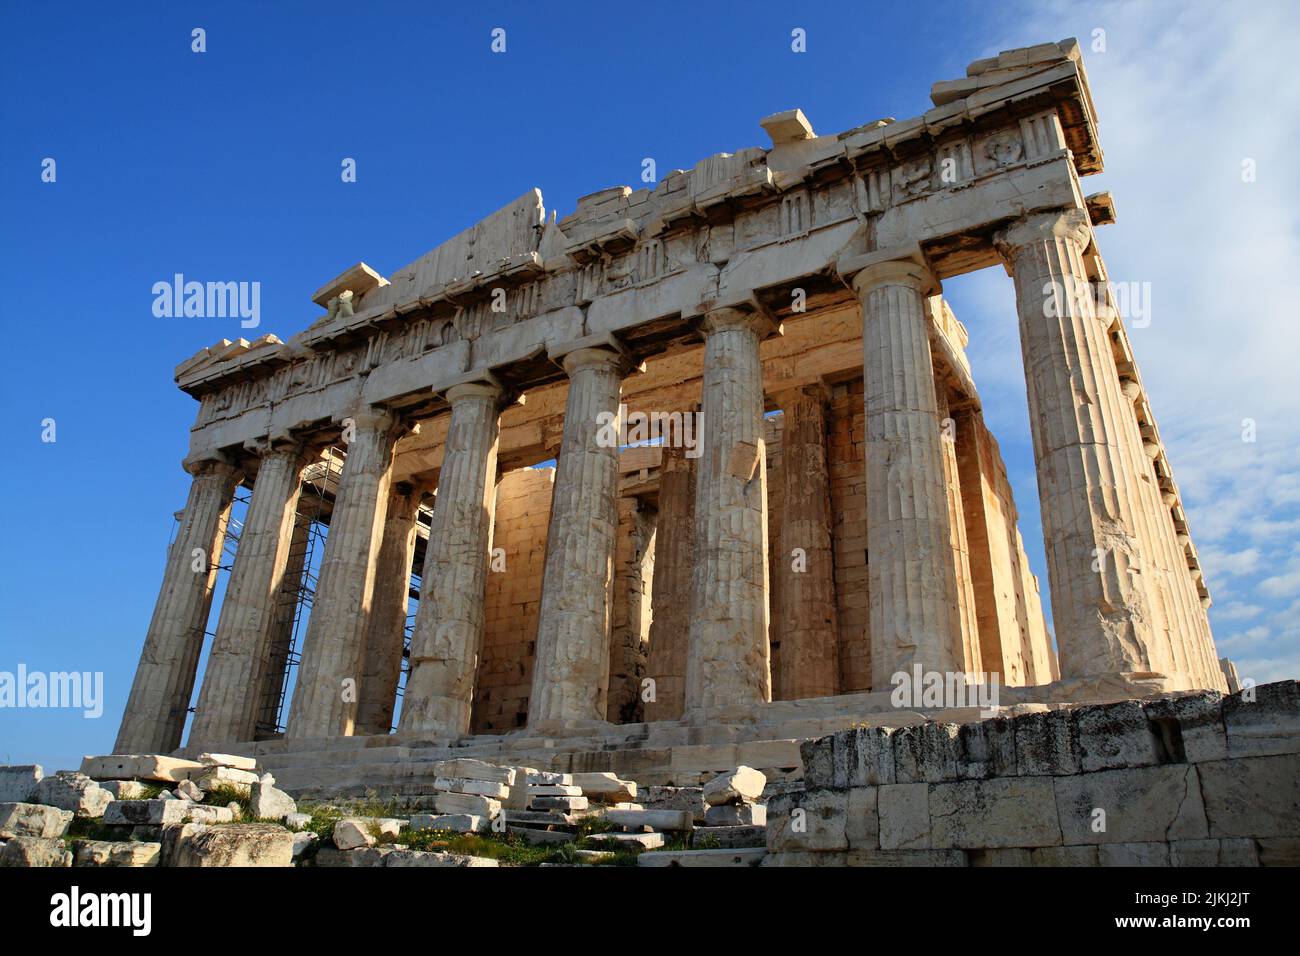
225, 165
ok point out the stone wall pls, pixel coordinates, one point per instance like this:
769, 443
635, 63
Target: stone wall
846, 459
1194, 780
513, 597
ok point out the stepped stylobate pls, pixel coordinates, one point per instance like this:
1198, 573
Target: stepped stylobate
757, 576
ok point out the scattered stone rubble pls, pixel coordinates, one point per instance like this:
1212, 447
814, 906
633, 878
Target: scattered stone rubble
153, 810
1196, 779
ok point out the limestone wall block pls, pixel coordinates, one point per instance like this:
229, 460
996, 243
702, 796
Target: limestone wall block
1046, 744
1064, 856
1010, 812
808, 820
1278, 851
1189, 728
1114, 735
1141, 804
987, 749
904, 813
926, 752
1268, 725
1252, 796
863, 757
1133, 854
1213, 853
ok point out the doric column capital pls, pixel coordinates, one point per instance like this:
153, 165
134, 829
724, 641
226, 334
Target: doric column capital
378, 419
373, 417
738, 319
213, 463
484, 391
1071, 225
905, 272
600, 358
595, 348
279, 446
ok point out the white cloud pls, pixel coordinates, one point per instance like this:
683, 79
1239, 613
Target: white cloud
1286, 584
1185, 92
1233, 563
1236, 611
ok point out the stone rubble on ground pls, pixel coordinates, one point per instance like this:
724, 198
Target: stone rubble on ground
268, 803
732, 799
72, 790
18, 784
33, 820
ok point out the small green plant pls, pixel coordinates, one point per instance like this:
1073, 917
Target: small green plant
88, 828
323, 817
223, 794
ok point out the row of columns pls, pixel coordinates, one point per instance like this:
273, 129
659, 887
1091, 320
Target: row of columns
1098, 537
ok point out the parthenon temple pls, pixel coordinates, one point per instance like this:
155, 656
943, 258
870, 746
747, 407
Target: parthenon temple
698, 467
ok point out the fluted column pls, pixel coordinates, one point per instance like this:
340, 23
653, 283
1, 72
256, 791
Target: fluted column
271, 686
228, 703
1095, 557
809, 664
912, 583
325, 697
448, 631
729, 662
381, 667
670, 595
972, 659
571, 667
164, 679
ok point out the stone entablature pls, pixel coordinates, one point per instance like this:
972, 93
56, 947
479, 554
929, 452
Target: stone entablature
735, 229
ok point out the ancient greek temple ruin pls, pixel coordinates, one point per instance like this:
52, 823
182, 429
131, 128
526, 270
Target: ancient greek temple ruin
698, 467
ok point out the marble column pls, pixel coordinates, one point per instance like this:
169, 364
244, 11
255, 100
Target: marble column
448, 633
972, 658
228, 704
1100, 603
670, 593
629, 632
809, 662
325, 697
271, 686
571, 666
382, 662
729, 665
914, 611
164, 679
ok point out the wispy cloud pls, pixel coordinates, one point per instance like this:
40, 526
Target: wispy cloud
1187, 95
